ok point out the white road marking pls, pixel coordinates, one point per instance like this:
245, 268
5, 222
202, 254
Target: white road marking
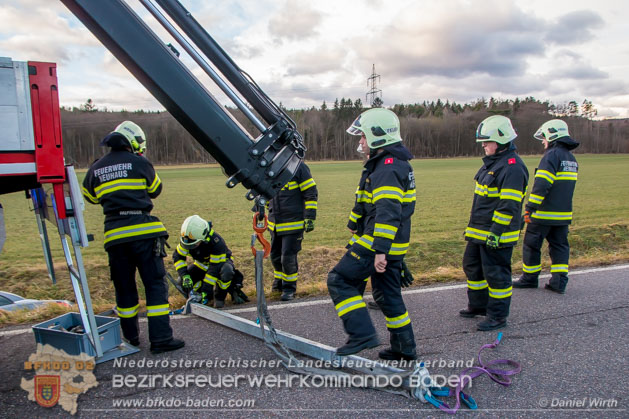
280, 306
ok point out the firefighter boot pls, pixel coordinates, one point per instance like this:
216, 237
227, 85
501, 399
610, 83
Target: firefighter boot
557, 283
372, 305
362, 334
491, 323
277, 285
170, 345
288, 291
403, 347
553, 289
357, 344
130, 330
470, 312
526, 282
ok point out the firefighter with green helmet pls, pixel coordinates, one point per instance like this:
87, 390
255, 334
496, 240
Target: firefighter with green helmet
548, 213
124, 183
388, 198
212, 274
494, 226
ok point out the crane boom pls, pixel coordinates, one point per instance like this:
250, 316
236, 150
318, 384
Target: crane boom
263, 164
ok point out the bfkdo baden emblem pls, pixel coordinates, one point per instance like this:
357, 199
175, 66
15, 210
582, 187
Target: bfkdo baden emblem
47, 390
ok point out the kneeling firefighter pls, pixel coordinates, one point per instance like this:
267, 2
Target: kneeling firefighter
388, 196
212, 265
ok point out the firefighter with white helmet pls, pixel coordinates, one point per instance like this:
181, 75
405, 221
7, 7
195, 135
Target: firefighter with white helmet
124, 183
387, 190
212, 274
548, 212
494, 225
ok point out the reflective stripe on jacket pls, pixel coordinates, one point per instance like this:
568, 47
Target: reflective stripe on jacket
385, 202
213, 251
555, 180
497, 206
124, 184
296, 201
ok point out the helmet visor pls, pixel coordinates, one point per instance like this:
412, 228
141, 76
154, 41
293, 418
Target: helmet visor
354, 131
539, 135
480, 136
355, 128
189, 244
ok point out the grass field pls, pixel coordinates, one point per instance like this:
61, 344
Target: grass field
599, 234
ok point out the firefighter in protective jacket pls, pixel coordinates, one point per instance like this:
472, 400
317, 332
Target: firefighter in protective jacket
494, 226
389, 202
123, 182
356, 225
291, 212
548, 212
213, 264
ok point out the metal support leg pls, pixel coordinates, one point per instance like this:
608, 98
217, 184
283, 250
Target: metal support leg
298, 344
39, 203
82, 295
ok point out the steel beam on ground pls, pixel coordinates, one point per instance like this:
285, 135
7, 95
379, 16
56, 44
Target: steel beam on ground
296, 343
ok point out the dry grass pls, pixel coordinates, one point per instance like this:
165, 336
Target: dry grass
599, 235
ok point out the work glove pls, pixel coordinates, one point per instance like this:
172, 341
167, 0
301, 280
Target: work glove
238, 296
186, 282
493, 241
527, 214
407, 276
308, 225
204, 299
196, 297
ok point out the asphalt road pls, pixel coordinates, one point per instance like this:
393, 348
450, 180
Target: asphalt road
573, 349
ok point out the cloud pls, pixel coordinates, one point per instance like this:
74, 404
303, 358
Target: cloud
315, 61
42, 33
296, 20
570, 65
574, 28
494, 38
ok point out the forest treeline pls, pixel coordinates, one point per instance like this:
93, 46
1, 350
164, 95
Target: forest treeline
430, 130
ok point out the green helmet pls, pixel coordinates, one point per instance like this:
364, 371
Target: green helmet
380, 126
496, 128
134, 136
194, 230
552, 130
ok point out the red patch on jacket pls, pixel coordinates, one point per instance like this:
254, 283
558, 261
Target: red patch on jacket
388, 161
511, 161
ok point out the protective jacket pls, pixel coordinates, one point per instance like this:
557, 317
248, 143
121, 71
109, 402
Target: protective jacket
208, 256
387, 195
555, 180
500, 188
296, 201
356, 220
124, 183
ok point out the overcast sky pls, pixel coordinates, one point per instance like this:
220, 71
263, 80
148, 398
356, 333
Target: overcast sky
305, 52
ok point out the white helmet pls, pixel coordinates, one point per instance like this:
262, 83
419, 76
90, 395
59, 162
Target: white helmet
134, 135
380, 126
194, 230
496, 128
552, 130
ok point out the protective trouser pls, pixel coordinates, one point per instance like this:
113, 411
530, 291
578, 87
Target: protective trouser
216, 282
284, 249
346, 284
488, 274
124, 259
558, 248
